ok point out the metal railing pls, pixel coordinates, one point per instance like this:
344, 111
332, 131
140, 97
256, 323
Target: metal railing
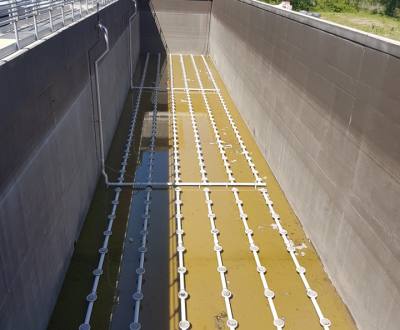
22, 19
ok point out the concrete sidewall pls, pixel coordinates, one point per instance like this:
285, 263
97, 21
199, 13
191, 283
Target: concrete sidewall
50, 155
323, 104
184, 24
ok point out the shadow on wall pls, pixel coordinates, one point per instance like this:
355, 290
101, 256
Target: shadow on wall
185, 24
150, 32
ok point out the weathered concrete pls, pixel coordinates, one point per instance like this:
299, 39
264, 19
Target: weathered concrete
185, 24
323, 104
49, 165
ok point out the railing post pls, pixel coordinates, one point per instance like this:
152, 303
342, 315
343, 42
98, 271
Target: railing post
16, 33
35, 26
14, 14
35, 13
51, 17
63, 13
73, 13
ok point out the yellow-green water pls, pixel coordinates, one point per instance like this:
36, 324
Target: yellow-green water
205, 306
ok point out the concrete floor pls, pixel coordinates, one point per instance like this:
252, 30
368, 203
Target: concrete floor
205, 306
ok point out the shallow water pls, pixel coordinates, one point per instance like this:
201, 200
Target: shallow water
205, 306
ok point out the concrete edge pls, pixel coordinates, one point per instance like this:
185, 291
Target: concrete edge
385, 45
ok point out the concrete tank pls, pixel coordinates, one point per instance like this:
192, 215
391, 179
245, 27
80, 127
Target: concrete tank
321, 100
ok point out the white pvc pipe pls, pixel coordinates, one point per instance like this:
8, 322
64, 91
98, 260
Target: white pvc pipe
130, 43
99, 111
165, 185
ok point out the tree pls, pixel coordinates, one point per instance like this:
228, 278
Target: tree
390, 6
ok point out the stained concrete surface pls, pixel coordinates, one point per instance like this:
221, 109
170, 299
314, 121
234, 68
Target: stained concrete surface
185, 24
324, 110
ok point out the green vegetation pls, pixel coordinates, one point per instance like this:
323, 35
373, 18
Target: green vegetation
381, 17
382, 25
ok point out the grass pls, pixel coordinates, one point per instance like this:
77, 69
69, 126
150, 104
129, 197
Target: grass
364, 20
385, 26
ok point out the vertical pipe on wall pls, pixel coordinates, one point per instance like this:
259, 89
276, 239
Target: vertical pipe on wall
96, 65
130, 43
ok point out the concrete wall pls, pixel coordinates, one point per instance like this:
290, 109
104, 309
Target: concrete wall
323, 103
185, 24
49, 163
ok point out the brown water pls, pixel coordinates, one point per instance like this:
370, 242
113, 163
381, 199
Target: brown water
206, 309
160, 307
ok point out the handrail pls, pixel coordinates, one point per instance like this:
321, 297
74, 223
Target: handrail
33, 15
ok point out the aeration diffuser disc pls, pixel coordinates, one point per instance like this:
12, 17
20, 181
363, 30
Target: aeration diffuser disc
254, 248
291, 249
103, 250
232, 323
261, 269
279, 323
269, 293
97, 272
184, 325
221, 269
180, 248
142, 249
91, 297
181, 270
217, 248
137, 296
140, 271
325, 322
226, 293
312, 294
183, 294
301, 270
135, 326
